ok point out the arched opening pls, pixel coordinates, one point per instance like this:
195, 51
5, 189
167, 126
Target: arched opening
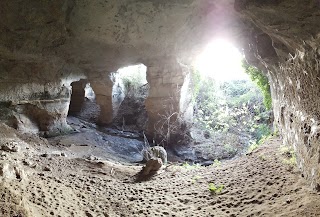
129, 92
83, 101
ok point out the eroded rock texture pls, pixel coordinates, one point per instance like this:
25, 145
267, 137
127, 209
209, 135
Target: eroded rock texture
284, 42
47, 45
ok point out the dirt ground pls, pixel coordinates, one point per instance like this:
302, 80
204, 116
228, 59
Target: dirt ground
47, 181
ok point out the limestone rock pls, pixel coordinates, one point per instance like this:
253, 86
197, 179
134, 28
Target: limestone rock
12, 171
154, 153
10, 147
7, 171
3, 155
151, 168
47, 169
29, 163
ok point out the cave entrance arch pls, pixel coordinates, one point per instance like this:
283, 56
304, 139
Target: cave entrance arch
83, 101
129, 92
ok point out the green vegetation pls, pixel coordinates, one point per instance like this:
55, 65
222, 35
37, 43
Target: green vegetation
230, 149
215, 189
195, 83
289, 154
131, 77
256, 145
216, 163
253, 146
188, 166
232, 111
195, 179
292, 161
262, 157
262, 82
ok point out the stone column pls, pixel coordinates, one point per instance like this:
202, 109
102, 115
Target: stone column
168, 100
102, 87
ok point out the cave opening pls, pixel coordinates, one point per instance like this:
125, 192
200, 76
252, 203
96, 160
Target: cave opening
129, 92
232, 112
83, 103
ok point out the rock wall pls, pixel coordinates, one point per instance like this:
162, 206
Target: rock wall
44, 46
35, 95
296, 86
284, 40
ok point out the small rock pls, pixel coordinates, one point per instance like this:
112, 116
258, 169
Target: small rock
3, 155
206, 134
152, 166
154, 152
10, 147
92, 158
29, 163
6, 171
88, 214
56, 153
46, 168
44, 155
20, 173
207, 163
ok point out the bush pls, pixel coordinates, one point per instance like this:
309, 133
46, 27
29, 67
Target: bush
262, 82
132, 78
234, 109
215, 189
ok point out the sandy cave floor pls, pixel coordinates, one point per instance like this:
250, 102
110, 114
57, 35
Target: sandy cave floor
259, 184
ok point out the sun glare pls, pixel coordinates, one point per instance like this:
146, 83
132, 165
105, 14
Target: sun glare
221, 61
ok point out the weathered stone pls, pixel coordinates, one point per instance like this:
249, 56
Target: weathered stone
7, 171
47, 168
102, 87
29, 163
10, 147
293, 71
151, 167
68, 40
155, 152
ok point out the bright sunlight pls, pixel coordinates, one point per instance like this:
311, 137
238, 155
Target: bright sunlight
221, 61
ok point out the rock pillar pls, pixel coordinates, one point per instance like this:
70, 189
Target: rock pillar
168, 101
102, 87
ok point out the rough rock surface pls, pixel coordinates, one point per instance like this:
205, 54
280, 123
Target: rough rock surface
151, 168
284, 42
66, 40
46, 45
155, 152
